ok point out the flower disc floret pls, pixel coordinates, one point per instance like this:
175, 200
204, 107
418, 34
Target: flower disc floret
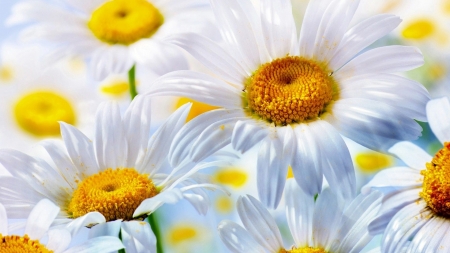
114, 193
19, 244
303, 250
436, 182
125, 21
289, 90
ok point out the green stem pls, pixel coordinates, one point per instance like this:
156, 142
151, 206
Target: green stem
120, 237
154, 225
132, 81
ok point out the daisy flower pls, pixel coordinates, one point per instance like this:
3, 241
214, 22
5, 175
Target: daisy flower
296, 97
113, 34
58, 240
417, 201
33, 98
317, 227
118, 178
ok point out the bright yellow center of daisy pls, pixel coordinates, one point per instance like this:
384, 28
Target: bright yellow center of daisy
436, 182
38, 113
303, 250
114, 193
419, 29
18, 244
125, 21
289, 90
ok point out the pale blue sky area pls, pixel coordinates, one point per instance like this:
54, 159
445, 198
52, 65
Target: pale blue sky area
5, 10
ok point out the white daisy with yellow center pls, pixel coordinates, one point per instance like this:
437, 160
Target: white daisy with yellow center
117, 179
295, 97
113, 34
325, 226
54, 240
37, 97
416, 206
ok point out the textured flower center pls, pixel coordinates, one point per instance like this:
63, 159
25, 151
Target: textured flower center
18, 244
39, 112
125, 21
289, 90
436, 182
114, 193
303, 250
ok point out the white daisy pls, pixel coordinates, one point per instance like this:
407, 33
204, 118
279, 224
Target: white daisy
116, 177
295, 97
33, 98
417, 196
323, 226
57, 240
113, 34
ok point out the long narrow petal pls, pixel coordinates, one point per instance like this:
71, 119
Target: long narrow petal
247, 133
40, 219
412, 155
110, 228
395, 177
438, 116
3, 221
237, 239
139, 236
58, 240
432, 237
110, 143
150, 205
88, 219
103, 244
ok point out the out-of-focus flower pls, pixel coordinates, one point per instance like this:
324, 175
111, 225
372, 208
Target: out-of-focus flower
57, 240
295, 98
417, 197
114, 179
34, 98
325, 226
113, 35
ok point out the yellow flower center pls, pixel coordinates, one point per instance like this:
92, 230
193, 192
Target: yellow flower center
197, 107
224, 204
114, 193
303, 250
115, 89
419, 29
289, 90
182, 234
125, 21
233, 177
436, 182
371, 162
18, 244
38, 113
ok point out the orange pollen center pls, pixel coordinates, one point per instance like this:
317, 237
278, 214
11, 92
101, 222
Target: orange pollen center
303, 250
114, 193
289, 90
436, 182
19, 244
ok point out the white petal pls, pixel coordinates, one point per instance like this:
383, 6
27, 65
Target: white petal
337, 164
401, 58
58, 240
110, 228
80, 149
307, 161
299, 213
335, 21
247, 134
212, 56
237, 239
103, 244
432, 236
139, 236
159, 144
109, 60
274, 157
198, 86
395, 177
361, 36
110, 144
438, 116
278, 28
259, 223
40, 219
3, 221
150, 205
412, 155
88, 219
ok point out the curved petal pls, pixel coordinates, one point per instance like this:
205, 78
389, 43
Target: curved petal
137, 236
361, 36
259, 223
150, 205
88, 219
80, 149
58, 240
299, 213
247, 134
109, 59
3, 221
103, 244
412, 155
110, 228
431, 236
237, 239
40, 219
396, 178
110, 144
438, 116
401, 58
198, 86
